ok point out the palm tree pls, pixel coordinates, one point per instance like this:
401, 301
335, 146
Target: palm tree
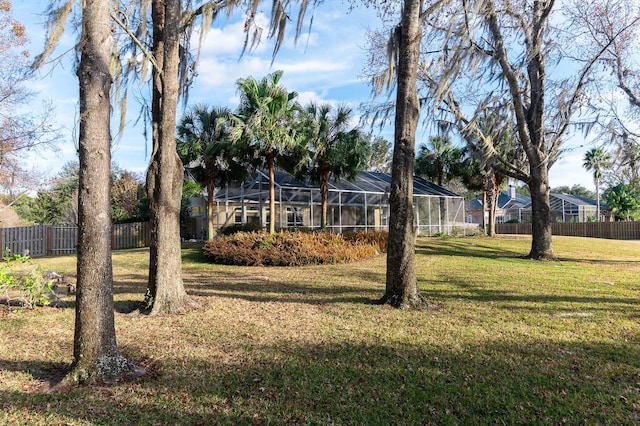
266, 112
596, 159
204, 145
438, 160
335, 149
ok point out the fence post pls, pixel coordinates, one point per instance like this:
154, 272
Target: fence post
48, 240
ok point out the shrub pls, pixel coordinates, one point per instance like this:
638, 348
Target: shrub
22, 283
377, 238
239, 227
287, 249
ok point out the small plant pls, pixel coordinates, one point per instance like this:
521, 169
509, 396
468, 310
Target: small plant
22, 283
440, 234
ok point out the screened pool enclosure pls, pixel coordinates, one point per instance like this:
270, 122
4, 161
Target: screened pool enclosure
352, 206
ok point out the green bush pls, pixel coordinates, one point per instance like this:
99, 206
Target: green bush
289, 248
22, 283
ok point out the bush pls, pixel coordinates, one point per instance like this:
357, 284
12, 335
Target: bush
288, 248
22, 283
240, 227
377, 238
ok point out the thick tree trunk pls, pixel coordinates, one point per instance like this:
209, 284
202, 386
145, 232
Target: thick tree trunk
541, 248
165, 291
272, 193
96, 358
324, 194
401, 286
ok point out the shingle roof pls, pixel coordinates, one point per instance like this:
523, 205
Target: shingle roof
578, 200
504, 202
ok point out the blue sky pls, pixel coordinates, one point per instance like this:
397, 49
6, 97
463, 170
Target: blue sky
324, 65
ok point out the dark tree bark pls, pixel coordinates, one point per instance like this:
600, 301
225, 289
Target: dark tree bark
96, 355
165, 291
529, 116
401, 286
541, 248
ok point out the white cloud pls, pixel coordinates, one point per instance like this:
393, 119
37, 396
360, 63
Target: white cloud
230, 38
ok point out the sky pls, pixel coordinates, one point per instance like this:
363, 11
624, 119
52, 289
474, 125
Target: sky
325, 65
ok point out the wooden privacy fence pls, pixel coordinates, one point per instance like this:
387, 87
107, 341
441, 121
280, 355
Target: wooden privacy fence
609, 230
42, 240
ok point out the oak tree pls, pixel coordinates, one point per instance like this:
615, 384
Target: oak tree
96, 358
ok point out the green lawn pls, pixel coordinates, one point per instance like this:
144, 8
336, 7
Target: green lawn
507, 341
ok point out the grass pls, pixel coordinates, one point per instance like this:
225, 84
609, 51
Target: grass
508, 341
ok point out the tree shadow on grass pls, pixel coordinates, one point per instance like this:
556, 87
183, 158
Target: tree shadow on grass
525, 381
283, 292
554, 304
310, 285
465, 248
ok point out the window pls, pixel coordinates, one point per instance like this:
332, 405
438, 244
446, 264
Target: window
251, 215
295, 216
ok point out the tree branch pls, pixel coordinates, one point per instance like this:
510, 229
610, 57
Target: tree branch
137, 42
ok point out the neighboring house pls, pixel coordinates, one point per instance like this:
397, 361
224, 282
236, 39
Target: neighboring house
575, 208
512, 206
358, 205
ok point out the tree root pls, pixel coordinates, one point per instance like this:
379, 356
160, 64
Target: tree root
416, 302
101, 373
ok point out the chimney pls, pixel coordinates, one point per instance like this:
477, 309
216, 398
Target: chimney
512, 191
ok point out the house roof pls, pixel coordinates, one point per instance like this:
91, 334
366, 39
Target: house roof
578, 200
365, 182
504, 202
381, 182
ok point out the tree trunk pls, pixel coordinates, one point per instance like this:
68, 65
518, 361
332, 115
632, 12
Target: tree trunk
272, 194
211, 188
597, 200
165, 291
484, 209
493, 194
324, 194
210, 184
401, 286
541, 248
96, 358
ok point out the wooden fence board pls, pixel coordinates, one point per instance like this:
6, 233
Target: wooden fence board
42, 240
607, 230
